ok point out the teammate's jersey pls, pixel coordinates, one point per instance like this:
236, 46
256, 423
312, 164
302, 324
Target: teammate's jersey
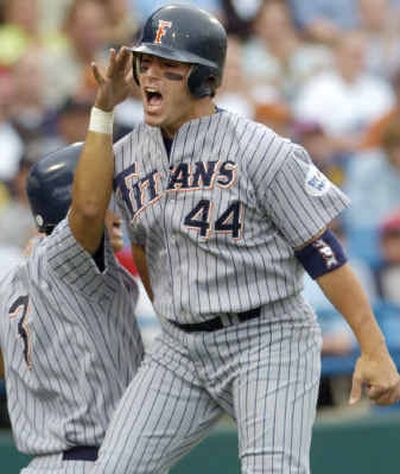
219, 218
70, 343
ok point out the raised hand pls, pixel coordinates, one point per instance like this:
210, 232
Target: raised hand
116, 82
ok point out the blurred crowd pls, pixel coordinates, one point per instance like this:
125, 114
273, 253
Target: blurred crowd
324, 73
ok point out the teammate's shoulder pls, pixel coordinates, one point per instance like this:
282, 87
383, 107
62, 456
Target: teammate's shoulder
13, 276
7, 276
60, 232
37, 254
46, 247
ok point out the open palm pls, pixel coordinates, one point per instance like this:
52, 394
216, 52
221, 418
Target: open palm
116, 82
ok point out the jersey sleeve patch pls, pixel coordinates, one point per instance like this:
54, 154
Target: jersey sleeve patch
316, 183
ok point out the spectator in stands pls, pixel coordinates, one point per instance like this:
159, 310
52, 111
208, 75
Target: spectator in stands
12, 147
276, 60
373, 135
324, 20
382, 37
68, 71
121, 24
347, 99
315, 140
31, 117
73, 117
235, 94
238, 16
15, 236
373, 182
276, 115
144, 8
373, 185
19, 29
52, 15
388, 273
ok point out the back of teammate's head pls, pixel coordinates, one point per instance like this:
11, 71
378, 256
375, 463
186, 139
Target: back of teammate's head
186, 34
49, 186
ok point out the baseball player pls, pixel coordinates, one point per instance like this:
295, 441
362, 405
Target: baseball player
224, 216
68, 334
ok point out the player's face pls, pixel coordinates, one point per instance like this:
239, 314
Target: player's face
167, 101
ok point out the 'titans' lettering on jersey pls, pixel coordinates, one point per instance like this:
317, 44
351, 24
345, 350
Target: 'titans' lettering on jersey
202, 175
141, 192
227, 175
137, 192
145, 191
179, 177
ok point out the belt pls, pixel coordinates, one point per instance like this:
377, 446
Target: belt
220, 322
81, 453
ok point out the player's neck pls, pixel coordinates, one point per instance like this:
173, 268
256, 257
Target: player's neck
203, 108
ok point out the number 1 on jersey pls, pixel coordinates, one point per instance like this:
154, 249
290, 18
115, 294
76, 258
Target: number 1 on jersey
227, 223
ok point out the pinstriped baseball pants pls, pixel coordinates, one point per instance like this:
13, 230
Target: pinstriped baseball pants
53, 464
265, 374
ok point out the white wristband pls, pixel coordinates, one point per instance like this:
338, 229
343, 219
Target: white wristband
101, 121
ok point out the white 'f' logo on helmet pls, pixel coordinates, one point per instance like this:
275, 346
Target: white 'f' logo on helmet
162, 30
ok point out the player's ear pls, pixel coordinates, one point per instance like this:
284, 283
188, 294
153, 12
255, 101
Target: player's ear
136, 67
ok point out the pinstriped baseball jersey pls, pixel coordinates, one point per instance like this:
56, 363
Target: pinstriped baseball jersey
220, 217
70, 343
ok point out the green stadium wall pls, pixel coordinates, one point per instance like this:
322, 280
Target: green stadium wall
370, 445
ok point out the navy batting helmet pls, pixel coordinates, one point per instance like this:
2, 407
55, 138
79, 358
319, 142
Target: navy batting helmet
49, 185
187, 34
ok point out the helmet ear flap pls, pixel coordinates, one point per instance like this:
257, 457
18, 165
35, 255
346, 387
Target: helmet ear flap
203, 81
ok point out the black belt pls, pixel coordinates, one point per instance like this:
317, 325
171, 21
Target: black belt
219, 322
81, 453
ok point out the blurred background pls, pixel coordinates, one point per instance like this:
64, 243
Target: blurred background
325, 73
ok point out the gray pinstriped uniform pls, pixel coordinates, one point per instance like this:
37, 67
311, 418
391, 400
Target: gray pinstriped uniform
219, 220
71, 345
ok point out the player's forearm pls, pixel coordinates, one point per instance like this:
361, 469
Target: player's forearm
93, 180
92, 190
344, 291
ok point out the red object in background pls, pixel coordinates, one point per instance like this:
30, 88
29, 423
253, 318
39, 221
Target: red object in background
125, 258
391, 223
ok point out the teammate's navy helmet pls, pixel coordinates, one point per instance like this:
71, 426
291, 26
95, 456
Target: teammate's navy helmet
49, 185
187, 34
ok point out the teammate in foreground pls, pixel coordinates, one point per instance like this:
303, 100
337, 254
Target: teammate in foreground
68, 333
223, 215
